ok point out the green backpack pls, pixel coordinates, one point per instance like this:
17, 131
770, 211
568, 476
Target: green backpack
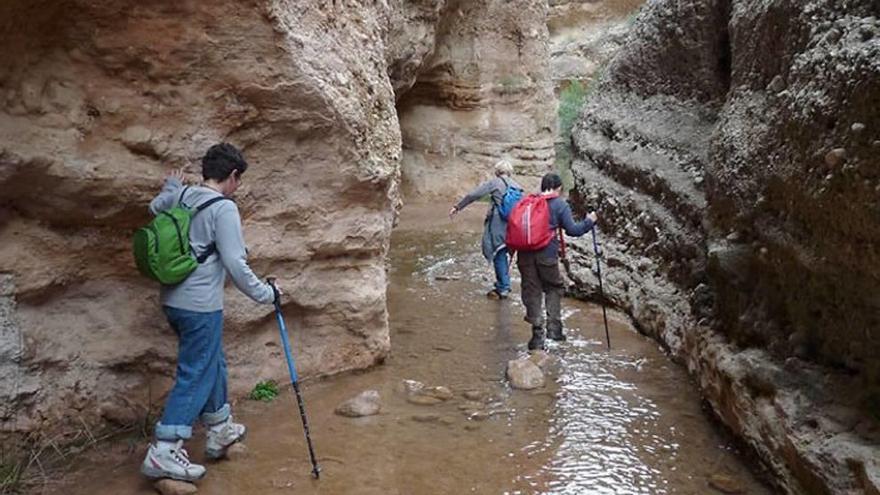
161, 248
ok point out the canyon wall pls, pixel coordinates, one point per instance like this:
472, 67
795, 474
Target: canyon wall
98, 101
486, 93
732, 151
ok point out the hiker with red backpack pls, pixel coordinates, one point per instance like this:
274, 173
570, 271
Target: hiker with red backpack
503, 193
532, 233
204, 227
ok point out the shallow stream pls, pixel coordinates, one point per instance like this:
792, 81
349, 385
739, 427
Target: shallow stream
625, 421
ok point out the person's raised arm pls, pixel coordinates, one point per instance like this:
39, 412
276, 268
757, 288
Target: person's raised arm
168, 196
481, 190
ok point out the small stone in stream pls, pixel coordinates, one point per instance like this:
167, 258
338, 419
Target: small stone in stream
367, 403
412, 386
443, 348
441, 392
474, 395
479, 416
425, 418
524, 374
237, 451
423, 400
167, 486
447, 278
725, 484
858, 127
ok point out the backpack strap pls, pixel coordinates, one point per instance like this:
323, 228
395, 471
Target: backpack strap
212, 248
506, 187
209, 203
180, 199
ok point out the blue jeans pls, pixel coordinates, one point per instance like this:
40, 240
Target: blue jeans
200, 384
502, 271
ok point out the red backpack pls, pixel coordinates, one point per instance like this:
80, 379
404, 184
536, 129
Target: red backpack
528, 226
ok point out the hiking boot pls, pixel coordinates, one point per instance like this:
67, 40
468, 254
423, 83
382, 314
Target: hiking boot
221, 436
170, 460
537, 340
556, 334
494, 294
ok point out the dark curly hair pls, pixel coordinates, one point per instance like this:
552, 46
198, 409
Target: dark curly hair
550, 181
221, 160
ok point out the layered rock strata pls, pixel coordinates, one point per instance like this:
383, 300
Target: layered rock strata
100, 100
732, 150
484, 94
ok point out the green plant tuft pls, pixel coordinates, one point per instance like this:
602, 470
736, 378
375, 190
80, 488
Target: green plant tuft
265, 391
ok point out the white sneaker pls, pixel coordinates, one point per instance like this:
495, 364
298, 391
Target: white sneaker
170, 460
221, 436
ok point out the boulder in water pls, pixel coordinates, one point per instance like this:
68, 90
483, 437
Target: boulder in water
524, 374
367, 403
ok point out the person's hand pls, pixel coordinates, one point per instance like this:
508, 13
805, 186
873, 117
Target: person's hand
276, 288
453, 211
175, 174
593, 217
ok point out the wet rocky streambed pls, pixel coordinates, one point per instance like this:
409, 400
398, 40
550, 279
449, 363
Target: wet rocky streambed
627, 421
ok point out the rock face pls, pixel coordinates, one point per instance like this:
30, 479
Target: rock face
584, 35
484, 94
99, 101
730, 151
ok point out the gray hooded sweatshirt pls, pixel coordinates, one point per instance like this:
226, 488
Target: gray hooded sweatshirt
494, 227
219, 223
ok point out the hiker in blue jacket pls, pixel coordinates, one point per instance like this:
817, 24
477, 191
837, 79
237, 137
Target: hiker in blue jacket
194, 309
541, 279
495, 227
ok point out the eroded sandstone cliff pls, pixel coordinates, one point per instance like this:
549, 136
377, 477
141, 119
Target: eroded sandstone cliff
733, 150
99, 100
484, 94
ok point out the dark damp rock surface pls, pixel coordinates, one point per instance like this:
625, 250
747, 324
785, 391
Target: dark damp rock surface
730, 150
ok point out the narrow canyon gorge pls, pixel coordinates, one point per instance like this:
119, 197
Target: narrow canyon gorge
730, 147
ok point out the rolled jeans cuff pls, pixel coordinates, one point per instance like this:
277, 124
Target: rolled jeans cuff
173, 433
218, 416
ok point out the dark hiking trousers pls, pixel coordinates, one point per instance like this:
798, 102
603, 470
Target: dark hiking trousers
541, 281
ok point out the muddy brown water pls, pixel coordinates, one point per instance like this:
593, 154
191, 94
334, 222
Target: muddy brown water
626, 421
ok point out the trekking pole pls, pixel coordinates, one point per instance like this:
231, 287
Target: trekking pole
601, 290
285, 342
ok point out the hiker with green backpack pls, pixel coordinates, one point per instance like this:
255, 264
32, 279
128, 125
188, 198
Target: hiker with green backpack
503, 193
190, 246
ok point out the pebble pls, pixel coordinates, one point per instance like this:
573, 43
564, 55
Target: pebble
724, 484
858, 127
173, 487
474, 395
367, 403
423, 400
835, 157
776, 85
425, 418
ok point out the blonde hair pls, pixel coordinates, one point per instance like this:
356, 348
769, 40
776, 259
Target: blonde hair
503, 167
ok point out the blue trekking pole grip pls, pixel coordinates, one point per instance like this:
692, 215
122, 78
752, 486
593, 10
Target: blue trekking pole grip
294, 379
